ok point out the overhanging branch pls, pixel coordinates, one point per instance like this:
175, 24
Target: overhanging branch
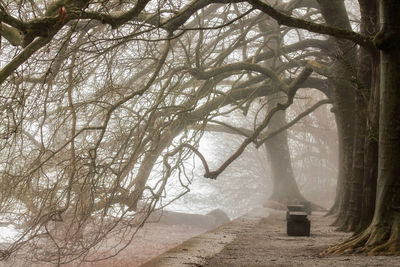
23, 56
293, 122
218, 126
362, 40
291, 91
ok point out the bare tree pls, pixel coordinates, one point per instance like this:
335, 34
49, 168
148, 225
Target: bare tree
105, 101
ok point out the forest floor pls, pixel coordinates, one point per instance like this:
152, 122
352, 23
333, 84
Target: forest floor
259, 239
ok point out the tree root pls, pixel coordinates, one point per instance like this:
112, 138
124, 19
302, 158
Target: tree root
351, 246
367, 242
390, 248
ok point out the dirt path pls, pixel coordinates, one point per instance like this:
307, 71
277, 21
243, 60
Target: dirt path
260, 240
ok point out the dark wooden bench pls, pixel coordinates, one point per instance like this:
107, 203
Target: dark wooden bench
297, 222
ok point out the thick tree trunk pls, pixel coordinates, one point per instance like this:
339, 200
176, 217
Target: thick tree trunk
366, 91
334, 210
343, 71
386, 222
285, 189
383, 234
371, 150
356, 190
369, 76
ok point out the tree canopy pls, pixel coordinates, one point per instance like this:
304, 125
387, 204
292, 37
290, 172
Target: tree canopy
104, 101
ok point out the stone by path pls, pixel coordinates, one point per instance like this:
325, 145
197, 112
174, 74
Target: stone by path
259, 239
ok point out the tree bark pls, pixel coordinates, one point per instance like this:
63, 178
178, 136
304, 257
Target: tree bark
285, 189
366, 79
356, 190
343, 71
369, 76
371, 150
385, 225
382, 237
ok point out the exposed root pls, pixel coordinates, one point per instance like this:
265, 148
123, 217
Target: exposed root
354, 245
368, 242
390, 248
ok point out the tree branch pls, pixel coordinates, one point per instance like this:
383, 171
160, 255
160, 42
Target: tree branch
23, 56
219, 126
291, 91
241, 66
293, 122
226, 128
11, 34
115, 20
362, 40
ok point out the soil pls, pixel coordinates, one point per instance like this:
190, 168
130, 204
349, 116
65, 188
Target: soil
259, 239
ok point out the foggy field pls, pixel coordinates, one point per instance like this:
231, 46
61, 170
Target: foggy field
123, 115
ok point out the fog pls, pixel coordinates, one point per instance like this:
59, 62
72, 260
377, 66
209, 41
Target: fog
247, 183
113, 111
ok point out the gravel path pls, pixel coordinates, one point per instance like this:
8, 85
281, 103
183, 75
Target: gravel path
260, 240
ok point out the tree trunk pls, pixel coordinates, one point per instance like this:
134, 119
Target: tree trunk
356, 190
285, 189
366, 82
343, 71
383, 235
371, 150
385, 225
369, 76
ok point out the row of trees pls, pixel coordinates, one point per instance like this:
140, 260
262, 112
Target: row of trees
104, 101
